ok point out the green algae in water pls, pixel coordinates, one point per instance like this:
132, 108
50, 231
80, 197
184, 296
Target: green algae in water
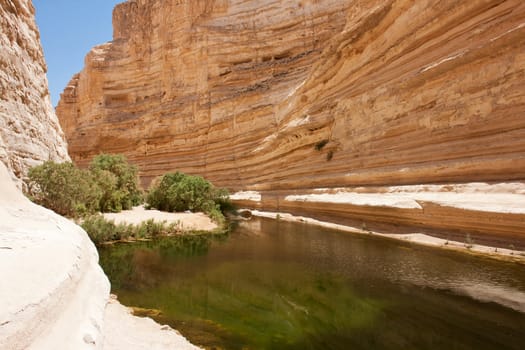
277, 285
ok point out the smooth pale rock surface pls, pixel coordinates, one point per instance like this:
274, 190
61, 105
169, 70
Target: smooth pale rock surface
29, 129
505, 198
53, 292
125, 331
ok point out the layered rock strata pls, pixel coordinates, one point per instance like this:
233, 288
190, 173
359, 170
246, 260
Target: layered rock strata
287, 96
491, 215
195, 85
29, 129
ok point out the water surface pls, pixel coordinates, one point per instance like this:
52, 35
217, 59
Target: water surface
277, 285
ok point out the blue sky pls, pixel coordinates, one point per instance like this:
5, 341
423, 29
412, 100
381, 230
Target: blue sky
68, 30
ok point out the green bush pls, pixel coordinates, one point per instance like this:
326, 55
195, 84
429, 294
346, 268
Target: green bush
181, 192
157, 195
118, 181
101, 230
110, 185
62, 187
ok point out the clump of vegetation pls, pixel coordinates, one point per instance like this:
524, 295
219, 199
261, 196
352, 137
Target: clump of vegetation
118, 181
181, 192
101, 230
64, 188
110, 185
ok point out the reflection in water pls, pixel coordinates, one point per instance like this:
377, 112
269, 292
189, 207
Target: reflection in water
278, 285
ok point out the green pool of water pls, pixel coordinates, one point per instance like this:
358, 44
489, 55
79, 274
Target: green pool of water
277, 285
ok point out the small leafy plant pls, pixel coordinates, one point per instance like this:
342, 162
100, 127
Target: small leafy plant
101, 230
176, 192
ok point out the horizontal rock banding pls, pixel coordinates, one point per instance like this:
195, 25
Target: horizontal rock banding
492, 215
294, 95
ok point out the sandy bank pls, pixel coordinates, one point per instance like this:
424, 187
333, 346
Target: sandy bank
187, 221
492, 214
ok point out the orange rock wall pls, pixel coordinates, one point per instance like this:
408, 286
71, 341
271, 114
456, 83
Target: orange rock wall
286, 96
405, 92
194, 85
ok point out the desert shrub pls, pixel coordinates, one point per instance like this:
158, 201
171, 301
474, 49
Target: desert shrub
216, 215
110, 197
62, 187
157, 195
191, 193
110, 185
99, 229
221, 197
118, 181
124, 231
181, 192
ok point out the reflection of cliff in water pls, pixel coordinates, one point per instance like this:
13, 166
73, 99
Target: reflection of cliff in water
141, 263
273, 284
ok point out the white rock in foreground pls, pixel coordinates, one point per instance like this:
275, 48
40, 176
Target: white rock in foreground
53, 293
125, 331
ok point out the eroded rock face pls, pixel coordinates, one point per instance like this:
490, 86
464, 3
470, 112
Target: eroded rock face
196, 85
286, 96
404, 92
29, 129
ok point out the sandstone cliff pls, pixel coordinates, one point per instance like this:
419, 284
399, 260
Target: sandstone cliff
196, 85
287, 96
29, 129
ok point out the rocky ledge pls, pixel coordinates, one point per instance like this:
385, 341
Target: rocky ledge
489, 214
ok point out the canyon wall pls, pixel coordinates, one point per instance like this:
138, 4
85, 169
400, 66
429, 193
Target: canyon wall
196, 85
283, 97
29, 129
